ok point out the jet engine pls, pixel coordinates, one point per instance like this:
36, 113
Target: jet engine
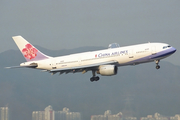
107, 70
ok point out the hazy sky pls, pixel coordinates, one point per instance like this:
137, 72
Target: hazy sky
59, 24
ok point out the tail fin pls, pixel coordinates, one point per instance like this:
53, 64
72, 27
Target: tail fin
29, 52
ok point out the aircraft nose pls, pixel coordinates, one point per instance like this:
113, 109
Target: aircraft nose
173, 50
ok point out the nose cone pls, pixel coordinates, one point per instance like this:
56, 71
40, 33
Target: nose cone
173, 50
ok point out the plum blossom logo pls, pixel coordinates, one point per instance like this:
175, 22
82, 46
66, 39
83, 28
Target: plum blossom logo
29, 52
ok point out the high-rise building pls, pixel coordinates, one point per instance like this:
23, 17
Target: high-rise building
47, 114
107, 116
73, 116
158, 116
38, 115
60, 115
50, 114
4, 113
176, 117
67, 115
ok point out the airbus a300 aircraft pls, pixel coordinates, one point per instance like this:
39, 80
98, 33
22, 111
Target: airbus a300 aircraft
104, 62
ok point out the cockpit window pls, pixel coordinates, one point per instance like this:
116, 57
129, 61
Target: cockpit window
166, 47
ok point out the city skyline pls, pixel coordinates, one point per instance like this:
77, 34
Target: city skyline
50, 114
65, 114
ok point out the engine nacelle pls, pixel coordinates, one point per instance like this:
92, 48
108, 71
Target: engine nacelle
107, 70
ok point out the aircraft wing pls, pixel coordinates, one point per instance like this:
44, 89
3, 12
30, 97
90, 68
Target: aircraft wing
83, 68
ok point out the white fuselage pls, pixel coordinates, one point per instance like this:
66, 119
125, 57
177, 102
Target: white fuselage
128, 55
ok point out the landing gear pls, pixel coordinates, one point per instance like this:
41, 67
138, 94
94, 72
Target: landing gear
157, 67
157, 64
94, 78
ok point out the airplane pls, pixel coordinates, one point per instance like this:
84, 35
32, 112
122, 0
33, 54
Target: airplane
104, 62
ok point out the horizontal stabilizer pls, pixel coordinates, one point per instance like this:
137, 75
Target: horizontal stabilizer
25, 66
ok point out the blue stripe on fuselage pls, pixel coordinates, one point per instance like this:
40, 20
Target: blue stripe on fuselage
157, 56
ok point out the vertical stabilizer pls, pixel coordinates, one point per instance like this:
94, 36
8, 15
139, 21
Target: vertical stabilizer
29, 52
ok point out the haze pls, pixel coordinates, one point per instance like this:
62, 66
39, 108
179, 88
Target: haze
57, 24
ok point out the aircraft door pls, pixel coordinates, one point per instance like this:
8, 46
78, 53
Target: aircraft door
153, 50
130, 53
53, 64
